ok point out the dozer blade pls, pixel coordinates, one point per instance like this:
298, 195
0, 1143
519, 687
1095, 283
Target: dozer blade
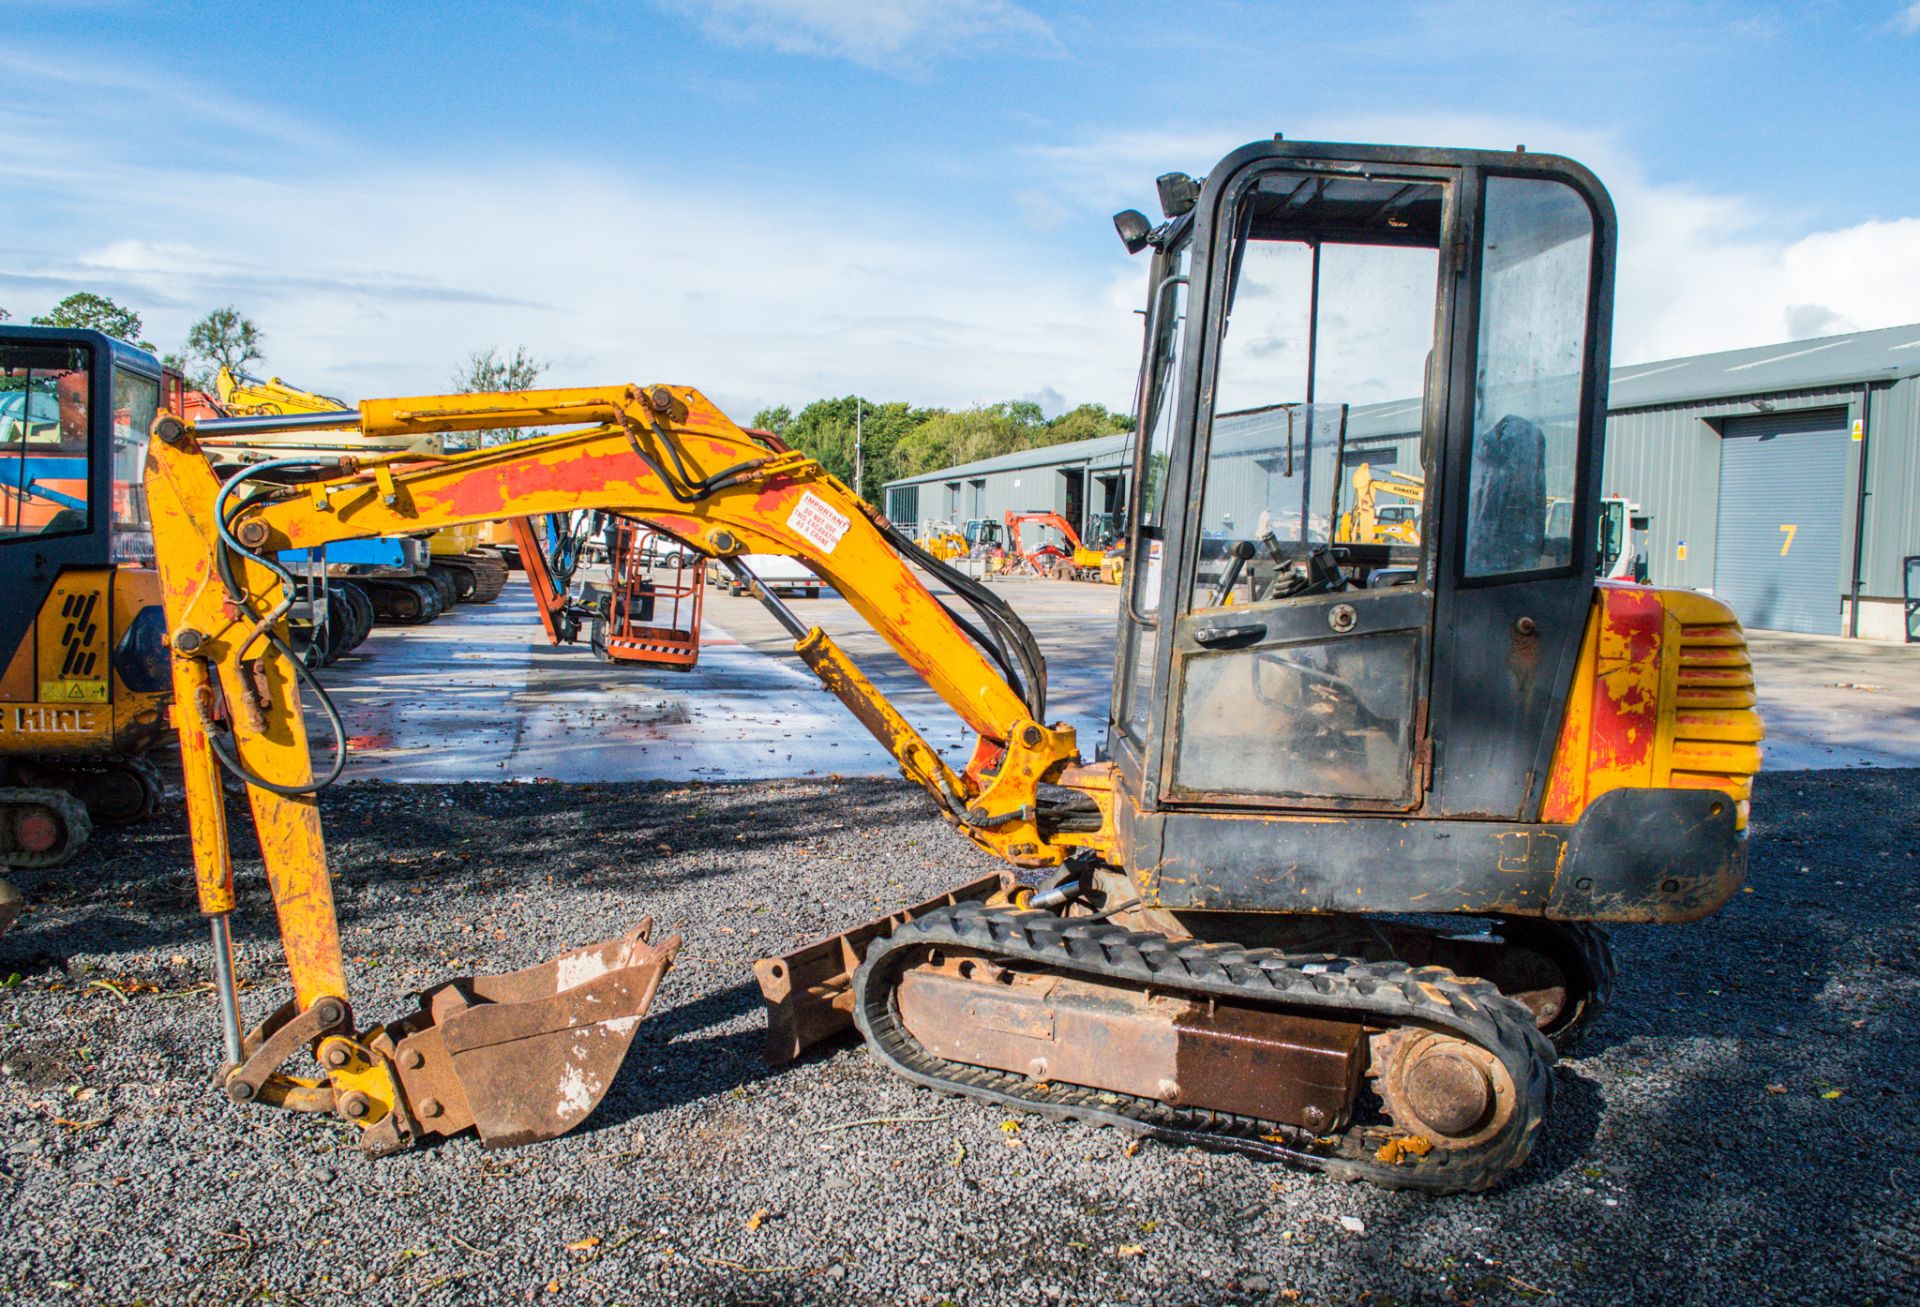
524, 1056
809, 992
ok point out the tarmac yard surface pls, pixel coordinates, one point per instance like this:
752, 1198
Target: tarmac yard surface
1739, 1128
480, 695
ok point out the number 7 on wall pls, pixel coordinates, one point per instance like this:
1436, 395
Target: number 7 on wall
1789, 528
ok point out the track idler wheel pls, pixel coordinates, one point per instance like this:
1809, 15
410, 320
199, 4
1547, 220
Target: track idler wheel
1446, 1091
360, 609
407, 601
489, 573
121, 792
41, 827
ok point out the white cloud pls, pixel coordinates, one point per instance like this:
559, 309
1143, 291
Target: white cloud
1698, 271
377, 282
888, 35
1052, 403
1908, 19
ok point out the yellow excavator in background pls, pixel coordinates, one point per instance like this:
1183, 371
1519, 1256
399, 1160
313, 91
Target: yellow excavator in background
1370, 522
1220, 933
944, 541
462, 565
84, 675
1621, 548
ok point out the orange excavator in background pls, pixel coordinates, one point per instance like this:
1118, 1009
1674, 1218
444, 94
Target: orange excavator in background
1068, 559
1223, 931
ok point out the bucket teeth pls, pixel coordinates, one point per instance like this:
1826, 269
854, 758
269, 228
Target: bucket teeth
527, 1055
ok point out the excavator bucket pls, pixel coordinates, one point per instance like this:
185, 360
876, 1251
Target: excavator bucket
10, 904
524, 1056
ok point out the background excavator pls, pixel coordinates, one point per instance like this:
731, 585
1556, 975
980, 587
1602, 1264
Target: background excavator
1620, 549
83, 663
1223, 931
1067, 558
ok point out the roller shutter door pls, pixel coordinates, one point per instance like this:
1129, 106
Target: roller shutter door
1783, 488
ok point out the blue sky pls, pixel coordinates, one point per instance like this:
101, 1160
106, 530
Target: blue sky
780, 199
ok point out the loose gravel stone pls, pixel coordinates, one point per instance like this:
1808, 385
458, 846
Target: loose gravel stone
1737, 1129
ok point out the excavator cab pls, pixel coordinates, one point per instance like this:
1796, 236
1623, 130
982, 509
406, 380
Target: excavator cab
1308, 307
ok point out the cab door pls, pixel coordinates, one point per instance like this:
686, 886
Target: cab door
1303, 632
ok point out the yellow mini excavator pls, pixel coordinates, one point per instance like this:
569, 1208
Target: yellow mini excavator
83, 663
1224, 931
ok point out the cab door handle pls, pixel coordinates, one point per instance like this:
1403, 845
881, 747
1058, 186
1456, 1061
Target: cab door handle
1216, 634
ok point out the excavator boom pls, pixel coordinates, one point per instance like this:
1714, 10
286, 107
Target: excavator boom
524, 1057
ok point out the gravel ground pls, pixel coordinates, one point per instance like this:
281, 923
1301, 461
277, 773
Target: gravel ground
1740, 1127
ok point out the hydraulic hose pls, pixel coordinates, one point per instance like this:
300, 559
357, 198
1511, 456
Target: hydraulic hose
262, 628
1013, 642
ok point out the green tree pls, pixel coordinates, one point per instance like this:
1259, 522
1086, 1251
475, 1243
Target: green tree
85, 310
945, 439
899, 440
225, 338
4, 315
487, 370
1085, 423
825, 429
776, 419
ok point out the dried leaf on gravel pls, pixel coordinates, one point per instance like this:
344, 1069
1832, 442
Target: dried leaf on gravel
758, 1219
587, 1244
125, 988
1833, 1093
1776, 1089
1130, 1250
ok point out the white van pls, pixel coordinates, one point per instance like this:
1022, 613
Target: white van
780, 574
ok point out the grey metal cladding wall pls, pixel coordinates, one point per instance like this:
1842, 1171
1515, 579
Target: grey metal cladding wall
1667, 460
1893, 488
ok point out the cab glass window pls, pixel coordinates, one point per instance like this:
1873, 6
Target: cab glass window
1168, 322
136, 402
1523, 485
43, 440
1315, 456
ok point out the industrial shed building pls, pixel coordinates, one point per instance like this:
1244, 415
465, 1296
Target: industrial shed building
1784, 478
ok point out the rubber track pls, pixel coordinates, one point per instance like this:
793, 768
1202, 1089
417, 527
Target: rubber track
489, 575
1385, 994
